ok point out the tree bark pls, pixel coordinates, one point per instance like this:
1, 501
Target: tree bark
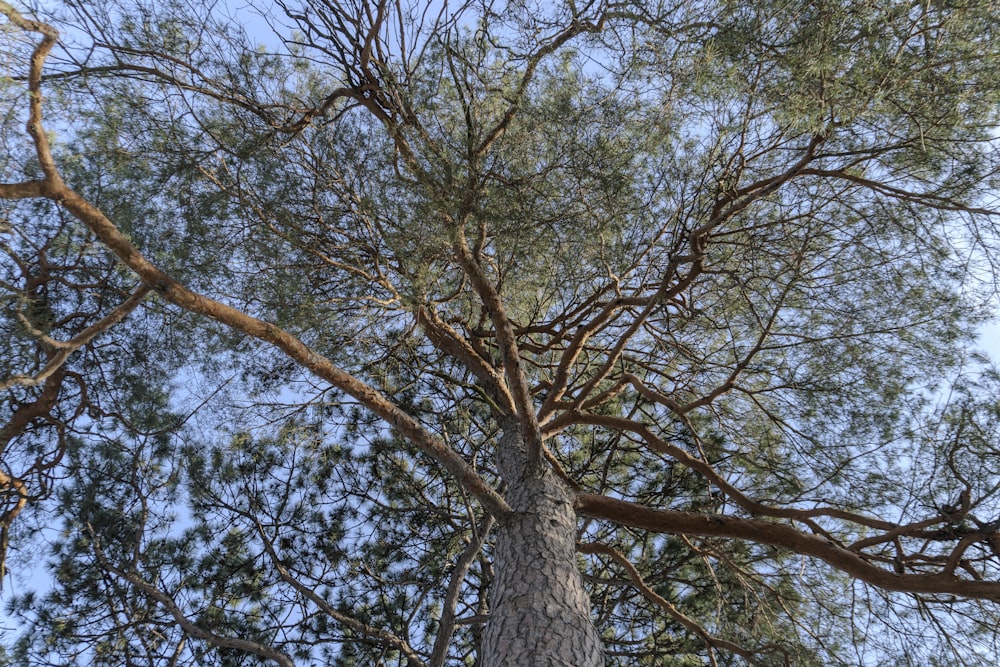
540, 612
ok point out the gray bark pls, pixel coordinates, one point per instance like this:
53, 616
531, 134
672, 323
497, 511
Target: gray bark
539, 611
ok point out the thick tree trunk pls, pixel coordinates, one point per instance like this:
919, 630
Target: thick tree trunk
539, 611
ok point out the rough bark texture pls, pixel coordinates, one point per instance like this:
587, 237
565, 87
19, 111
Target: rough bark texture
540, 612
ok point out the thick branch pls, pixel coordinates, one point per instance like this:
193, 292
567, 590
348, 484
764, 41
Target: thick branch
449, 341
28, 412
517, 384
18, 422
55, 189
322, 367
779, 535
26, 190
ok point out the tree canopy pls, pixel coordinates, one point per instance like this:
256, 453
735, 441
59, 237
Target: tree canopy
500, 333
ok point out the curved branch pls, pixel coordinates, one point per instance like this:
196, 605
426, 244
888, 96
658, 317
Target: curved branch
28, 412
560, 380
183, 621
575, 28
20, 420
449, 341
25, 190
748, 504
34, 126
711, 641
447, 626
381, 636
319, 365
63, 349
779, 535
925, 198
55, 189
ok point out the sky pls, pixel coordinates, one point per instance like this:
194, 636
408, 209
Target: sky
989, 342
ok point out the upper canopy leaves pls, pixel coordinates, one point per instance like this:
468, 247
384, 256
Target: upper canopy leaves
719, 259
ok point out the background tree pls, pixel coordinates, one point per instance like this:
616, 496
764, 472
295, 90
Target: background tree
501, 334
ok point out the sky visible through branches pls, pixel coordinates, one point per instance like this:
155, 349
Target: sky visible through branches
700, 305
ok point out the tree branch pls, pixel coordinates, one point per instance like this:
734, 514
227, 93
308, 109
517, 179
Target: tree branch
633, 515
449, 341
64, 349
517, 385
447, 626
710, 640
54, 188
380, 636
183, 621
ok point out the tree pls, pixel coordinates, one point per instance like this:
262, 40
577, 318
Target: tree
502, 334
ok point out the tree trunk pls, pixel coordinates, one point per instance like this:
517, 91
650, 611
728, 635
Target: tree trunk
539, 610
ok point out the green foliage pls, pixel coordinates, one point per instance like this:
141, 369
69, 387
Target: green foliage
756, 236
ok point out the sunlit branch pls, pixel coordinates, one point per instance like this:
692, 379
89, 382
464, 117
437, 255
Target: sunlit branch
34, 126
55, 188
62, 350
669, 288
10, 485
779, 535
572, 352
39, 407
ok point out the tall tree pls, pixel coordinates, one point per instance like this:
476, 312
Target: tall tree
503, 333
